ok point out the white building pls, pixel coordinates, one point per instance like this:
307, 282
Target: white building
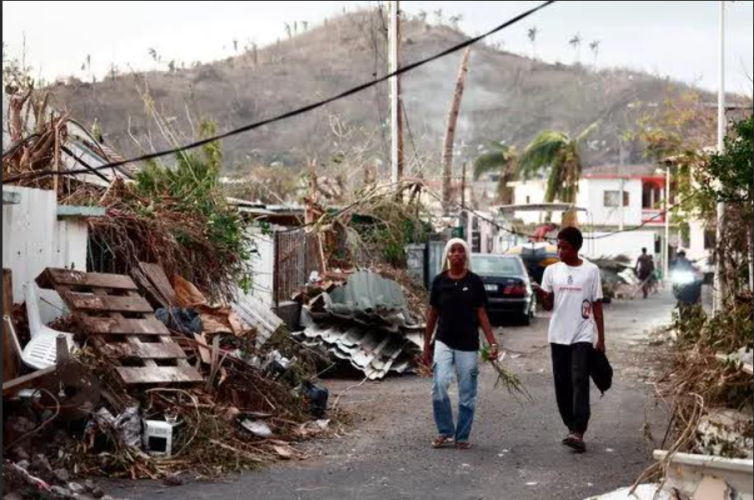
607, 211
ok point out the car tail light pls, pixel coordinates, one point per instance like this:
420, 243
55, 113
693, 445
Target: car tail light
516, 290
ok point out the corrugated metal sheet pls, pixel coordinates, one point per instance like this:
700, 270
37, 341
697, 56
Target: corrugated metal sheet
372, 300
370, 350
297, 255
253, 313
263, 268
34, 239
367, 324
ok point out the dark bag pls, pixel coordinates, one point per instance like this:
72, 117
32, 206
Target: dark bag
185, 321
602, 372
316, 399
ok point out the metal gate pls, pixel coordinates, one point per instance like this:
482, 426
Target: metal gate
297, 256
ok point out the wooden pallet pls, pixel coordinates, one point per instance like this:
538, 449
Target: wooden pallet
121, 325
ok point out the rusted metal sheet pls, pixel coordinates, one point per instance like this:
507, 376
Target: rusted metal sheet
297, 256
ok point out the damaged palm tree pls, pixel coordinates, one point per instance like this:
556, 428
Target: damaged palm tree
450, 134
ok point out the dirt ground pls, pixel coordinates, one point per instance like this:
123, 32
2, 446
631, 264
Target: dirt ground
385, 453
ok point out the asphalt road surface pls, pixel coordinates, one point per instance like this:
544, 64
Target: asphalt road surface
517, 455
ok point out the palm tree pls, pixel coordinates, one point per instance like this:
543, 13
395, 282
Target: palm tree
595, 47
560, 153
455, 21
533, 32
450, 134
438, 15
575, 42
501, 158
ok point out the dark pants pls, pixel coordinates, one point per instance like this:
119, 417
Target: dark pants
571, 369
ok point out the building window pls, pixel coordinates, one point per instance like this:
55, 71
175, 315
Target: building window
612, 198
528, 200
710, 239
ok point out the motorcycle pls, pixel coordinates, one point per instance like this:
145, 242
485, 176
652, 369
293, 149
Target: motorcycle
687, 286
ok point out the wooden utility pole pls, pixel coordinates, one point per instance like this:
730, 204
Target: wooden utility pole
450, 135
396, 118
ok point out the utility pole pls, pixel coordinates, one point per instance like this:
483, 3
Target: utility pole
621, 161
719, 296
666, 250
396, 118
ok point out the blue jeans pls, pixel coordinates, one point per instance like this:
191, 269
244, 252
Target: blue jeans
467, 370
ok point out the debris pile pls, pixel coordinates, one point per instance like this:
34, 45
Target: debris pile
619, 280
365, 322
175, 215
711, 387
201, 389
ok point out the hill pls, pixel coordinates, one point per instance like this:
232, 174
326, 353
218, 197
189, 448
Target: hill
508, 97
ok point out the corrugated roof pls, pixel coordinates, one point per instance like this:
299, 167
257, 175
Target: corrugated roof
254, 314
370, 350
372, 300
365, 322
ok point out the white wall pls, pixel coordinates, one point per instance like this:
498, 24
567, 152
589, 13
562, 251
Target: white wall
532, 191
263, 268
696, 250
592, 197
34, 239
628, 244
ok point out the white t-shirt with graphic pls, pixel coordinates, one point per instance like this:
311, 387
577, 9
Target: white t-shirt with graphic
576, 290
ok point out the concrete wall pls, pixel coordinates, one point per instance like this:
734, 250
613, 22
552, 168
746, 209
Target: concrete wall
592, 197
628, 244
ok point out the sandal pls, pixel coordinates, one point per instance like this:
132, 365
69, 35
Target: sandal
442, 441
575, 443
464, 445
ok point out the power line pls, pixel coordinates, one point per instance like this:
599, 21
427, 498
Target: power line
499, 226
299, 111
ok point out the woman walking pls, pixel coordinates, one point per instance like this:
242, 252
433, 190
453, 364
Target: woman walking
457, 310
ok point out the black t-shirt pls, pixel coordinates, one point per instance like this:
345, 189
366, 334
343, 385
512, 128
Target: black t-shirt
458, 302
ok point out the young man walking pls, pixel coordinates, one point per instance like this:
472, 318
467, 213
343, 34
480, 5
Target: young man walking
645, 268
572, 289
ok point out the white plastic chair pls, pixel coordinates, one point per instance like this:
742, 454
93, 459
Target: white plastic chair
41, 351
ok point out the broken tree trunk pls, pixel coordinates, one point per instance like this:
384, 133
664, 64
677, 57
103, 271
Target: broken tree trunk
450, 135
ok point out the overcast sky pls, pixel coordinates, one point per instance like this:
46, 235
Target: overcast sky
675, 39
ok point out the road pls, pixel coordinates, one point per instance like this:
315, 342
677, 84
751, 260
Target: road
517, 454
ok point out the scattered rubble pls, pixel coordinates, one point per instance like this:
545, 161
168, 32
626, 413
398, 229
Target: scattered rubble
172, 401
367, 323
